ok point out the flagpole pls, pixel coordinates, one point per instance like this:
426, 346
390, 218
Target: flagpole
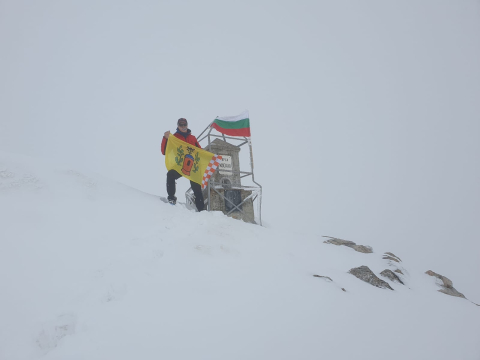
208, 146
198, 137
209, 207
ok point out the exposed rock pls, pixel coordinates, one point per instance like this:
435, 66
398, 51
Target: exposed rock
446, 285
386, 257
394, 262
324, 277
328, 279
391, 275
360, 248
363, 249
393, 255
367, 275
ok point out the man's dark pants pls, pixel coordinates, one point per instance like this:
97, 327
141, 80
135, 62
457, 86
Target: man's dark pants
172, 175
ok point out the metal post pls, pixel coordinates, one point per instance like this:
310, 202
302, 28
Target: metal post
209, 207
253, 179
251, 155
198, 137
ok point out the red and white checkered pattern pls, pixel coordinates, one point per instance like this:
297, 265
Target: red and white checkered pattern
211, 167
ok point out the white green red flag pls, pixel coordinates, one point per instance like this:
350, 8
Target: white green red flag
233, 125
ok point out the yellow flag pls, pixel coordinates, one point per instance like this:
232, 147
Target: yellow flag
189, 161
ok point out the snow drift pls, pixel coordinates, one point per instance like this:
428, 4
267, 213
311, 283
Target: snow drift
93, 269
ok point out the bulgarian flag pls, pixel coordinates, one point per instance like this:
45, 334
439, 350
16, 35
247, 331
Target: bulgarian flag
233, 125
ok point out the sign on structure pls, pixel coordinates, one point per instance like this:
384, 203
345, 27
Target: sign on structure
225, 165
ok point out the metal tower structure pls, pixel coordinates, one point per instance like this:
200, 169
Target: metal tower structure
225, 191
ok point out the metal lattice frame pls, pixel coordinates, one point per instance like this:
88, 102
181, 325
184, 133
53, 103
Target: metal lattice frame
256, 194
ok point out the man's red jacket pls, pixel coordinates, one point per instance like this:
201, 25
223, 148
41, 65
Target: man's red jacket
187, 137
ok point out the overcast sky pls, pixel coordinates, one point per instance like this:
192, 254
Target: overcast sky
365, 115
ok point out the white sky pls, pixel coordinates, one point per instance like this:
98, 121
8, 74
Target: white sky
365, 115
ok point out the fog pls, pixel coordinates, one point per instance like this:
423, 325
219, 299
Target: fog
365, 116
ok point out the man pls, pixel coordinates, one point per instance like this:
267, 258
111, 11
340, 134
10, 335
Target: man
183, 133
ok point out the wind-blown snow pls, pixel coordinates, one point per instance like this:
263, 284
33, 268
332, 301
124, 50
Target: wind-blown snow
93, 269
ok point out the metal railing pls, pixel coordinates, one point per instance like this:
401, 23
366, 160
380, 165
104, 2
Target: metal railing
256, 191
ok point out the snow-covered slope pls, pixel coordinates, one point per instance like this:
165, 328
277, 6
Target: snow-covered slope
92, 269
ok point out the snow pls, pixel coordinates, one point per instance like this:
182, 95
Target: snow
93, 269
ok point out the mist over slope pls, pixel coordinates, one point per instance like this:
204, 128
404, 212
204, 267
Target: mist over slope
93, 269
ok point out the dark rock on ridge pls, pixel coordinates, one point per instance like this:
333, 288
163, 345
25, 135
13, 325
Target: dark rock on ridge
328, 279
392, 257
364, 273
386, 257
395, 263
391, 275
446, 285
360, 248
324, 277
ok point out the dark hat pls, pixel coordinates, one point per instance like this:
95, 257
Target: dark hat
182, 120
